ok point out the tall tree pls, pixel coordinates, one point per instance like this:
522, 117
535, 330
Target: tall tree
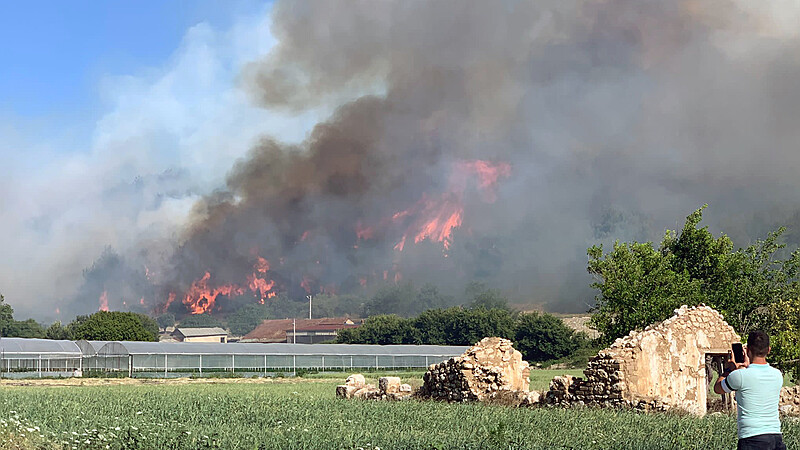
543, 337
6, 316
638, 285
115, 326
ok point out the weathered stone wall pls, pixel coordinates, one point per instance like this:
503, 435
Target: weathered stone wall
603, 386
489, 368
662, 367
790, 400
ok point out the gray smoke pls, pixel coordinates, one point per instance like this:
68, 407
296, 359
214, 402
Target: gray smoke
618, 118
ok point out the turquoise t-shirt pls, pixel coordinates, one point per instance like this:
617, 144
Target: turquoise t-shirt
758, 390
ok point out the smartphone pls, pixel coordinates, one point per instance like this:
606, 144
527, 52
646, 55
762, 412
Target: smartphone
738, 352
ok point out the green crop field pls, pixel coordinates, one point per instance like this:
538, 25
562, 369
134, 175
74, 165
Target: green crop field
304, 414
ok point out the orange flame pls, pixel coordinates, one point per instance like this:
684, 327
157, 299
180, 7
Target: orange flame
306, 284
262, 265
364, 232
148, 274
201, 298
260, 286
488, 173
103, 301
170, 299
435, 219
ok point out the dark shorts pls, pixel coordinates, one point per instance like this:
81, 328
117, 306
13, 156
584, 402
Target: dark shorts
762, 442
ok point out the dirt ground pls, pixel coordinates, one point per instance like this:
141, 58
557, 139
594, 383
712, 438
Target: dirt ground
142, 381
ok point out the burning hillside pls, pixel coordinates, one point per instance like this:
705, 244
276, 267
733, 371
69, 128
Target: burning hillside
465, 141
432, 218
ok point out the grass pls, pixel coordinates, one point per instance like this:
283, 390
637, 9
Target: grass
304, 414
540, 379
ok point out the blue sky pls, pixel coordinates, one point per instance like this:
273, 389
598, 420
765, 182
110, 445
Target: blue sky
53, 54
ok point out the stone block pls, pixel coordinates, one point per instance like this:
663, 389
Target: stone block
356, 380
389, 385
345, 391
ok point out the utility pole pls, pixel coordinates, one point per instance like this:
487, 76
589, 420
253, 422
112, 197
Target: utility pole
309, 297
294, 331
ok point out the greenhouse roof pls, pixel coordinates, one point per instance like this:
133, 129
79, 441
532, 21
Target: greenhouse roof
212, 348
10, 346
90, 348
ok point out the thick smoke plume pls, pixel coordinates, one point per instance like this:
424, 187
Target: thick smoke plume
596, 120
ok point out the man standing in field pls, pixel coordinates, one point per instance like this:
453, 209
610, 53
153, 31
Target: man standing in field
758, 388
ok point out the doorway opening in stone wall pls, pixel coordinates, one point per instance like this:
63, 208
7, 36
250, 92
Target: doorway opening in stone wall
715, 364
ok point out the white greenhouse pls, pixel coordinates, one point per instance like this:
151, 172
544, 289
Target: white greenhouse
41, 357
20, 357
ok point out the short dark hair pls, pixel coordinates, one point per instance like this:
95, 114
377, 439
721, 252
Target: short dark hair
758, 343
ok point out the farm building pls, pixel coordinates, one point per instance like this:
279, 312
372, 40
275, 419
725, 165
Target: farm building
214, 334
308, 331
667, 365
39, 357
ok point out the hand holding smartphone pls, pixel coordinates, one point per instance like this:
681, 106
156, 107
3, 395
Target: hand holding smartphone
738, 353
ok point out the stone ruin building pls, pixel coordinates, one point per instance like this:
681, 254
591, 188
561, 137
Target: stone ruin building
667, 365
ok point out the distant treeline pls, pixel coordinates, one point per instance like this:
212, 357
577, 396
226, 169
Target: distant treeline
102, 326
539, 336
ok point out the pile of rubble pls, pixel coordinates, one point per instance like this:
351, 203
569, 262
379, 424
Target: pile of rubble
487, 369
389, 388
490, 371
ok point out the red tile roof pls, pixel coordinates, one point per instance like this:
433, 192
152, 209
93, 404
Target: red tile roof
275, 330
324, 327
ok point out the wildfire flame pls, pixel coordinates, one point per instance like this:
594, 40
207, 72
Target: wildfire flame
103, 301
306, 284
262, 265
435, 219
364, 232
261, 286
488, 174
170, 299
201, 298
